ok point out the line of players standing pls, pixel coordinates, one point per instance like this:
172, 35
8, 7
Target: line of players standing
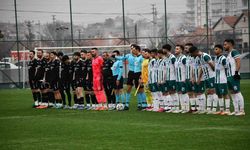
52, 76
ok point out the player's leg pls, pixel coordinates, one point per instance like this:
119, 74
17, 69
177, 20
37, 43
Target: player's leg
87, 92
67, 90
191, 94
33, 91
210, 93
112, 94
148, 97
184, 98
129, 88
154, 88
62, 89
202, 97
167, 97
107, 90
176, 98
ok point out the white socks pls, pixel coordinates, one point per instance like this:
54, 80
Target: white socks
240, 101
221, 104
227, 103
209, 101
175, 99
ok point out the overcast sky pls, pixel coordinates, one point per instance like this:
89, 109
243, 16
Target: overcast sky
85, 11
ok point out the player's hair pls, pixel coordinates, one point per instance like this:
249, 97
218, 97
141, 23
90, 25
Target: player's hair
32, 51
145, 50
94, 48
229, 41
193, 49
153, 50
60, 53
167, 47
77, 54
189, 44
53, 52
117, 52
64, 58
181, 46
40, 50
219, 46
160, 51
83, 51
137, 47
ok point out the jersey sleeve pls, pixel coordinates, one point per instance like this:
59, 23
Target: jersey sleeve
235, 54
184, 61
120, 65
224, 62
173, 59
207, 58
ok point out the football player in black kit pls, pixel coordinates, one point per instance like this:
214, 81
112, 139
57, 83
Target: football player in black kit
53, 78
32, 68
107, 80
88, 86
77, 80
42, 76
65, 75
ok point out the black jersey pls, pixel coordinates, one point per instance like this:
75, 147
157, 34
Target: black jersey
106, 70
54, 70
89, 71
32, 66
47, 71
40, 70
65, 72
77, 70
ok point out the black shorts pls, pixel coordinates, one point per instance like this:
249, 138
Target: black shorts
120, 86
54, 85
64, 85
133, 78
76, 83
88, 86
44, 85
33, 84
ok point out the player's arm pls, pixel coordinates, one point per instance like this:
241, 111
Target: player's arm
209, 61
200, 72
123, 58
236, 56
224, 63
120, 70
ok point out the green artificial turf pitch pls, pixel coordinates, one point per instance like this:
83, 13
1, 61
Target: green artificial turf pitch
22, 127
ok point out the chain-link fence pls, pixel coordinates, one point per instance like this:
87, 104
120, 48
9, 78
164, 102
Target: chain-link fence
28, 24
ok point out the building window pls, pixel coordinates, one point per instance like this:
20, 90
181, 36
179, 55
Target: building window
245, 45
244, 19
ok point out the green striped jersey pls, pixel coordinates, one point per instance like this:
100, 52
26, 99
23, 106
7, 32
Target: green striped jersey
231, 63
220, 69
196, 69
170, 70
189, 65
206, 68
159, 70
180, 68
152, 71
162, 70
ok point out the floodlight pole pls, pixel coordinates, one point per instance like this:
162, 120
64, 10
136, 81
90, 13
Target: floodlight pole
71, 24
123, 21
166, 23
17, 43
207, 24
248, 14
